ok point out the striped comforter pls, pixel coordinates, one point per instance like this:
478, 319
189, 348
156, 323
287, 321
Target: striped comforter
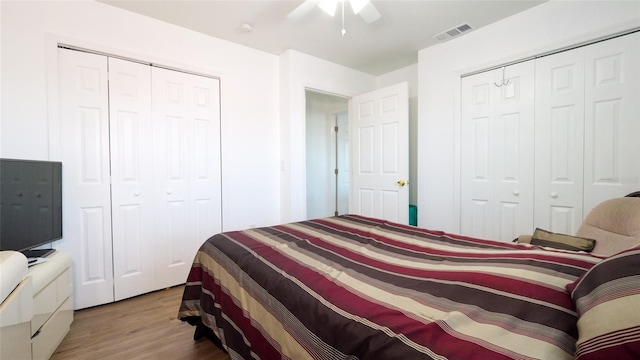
351, 287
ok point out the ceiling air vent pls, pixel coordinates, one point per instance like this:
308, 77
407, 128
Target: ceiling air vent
454, 32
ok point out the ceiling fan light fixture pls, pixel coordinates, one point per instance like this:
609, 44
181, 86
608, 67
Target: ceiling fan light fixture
357, 5
328, 6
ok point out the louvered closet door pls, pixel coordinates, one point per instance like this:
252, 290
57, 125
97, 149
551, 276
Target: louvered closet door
86, 191
132, 178
497, 153
612, 119
187, 169
559, 141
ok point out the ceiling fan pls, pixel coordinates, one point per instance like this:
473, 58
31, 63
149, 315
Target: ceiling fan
365, 8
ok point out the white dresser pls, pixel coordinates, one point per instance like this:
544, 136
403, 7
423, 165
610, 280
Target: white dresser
44, 300
16, 307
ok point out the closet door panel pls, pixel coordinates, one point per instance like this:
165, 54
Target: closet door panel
206, 172
559, 141
497, 153
187, 168
477, 119
612, 129
84, 124
172, 154
132, 177
514, 155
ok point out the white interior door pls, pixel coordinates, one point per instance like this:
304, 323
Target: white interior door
187, 169
131, 177
612, 125
379, 132
559, 138
84, 121
497, 155
342, 163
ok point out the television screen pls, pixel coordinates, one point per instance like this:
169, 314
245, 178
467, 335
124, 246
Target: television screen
30, 203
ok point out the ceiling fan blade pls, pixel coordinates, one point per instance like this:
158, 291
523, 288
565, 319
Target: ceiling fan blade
303, 9
369, 13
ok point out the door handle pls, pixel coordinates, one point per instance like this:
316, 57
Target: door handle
401, 182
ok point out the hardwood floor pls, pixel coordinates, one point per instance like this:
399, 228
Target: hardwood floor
144, 327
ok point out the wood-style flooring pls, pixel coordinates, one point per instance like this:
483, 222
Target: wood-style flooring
144, 327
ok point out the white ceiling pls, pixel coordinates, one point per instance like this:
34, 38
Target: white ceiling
390, 43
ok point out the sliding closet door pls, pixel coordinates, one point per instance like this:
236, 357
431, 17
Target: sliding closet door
612, 119
187, 169
84, 125
132, 178
497, 153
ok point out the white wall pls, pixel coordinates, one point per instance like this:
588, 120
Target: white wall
299, 71
320, 152
249, 90
549, 26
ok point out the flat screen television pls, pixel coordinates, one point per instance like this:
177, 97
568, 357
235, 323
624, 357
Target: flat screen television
30, 205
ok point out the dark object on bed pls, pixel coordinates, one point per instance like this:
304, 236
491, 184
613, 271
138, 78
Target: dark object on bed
634, 194
561, 241
351, 287
614, 223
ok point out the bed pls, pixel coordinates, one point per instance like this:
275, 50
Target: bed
352, 287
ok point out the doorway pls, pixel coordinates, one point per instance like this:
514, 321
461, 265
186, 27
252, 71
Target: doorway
327, 154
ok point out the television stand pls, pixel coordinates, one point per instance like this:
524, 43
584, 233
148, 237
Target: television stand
37, 253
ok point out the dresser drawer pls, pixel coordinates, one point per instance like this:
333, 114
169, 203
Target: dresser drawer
44, 343
49, 299
15, 315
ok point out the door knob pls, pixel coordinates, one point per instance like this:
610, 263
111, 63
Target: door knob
554, 194
169, 191
136, 193
516, 192
401, 182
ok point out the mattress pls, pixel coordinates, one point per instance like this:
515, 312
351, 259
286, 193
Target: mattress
14, 269
351, 287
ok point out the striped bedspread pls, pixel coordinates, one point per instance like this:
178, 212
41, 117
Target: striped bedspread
351, 287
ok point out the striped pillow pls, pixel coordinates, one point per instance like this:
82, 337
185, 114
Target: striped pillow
607, 299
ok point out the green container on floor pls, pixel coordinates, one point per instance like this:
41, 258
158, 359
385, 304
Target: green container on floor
413, 215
